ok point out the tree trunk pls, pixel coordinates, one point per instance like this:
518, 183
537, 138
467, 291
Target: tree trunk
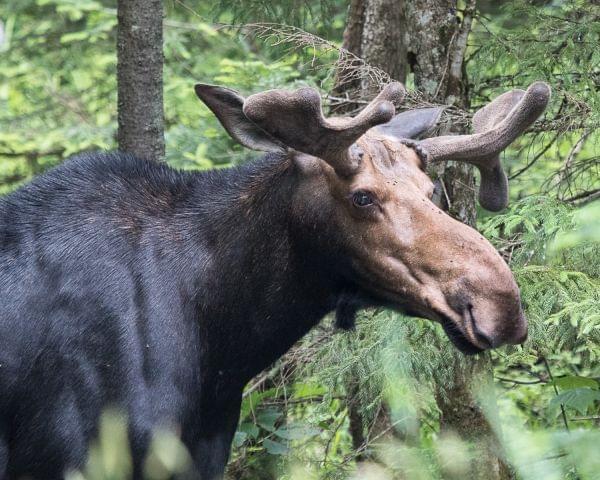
372, 34
436, 44
382, 44
461, 414
140, 78
429, 38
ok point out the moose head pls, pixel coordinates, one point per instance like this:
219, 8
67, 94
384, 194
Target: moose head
362, 197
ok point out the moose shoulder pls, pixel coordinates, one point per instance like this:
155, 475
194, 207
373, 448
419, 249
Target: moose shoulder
127, 283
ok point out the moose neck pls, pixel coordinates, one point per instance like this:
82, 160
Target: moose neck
265, 287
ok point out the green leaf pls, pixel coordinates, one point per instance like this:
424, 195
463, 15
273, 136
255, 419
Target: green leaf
275, 448
324, 424
579, 399
249, 429
571, 382
252, 401
305, 390
512, 223
74, 37
267, 418
529, 226
239, 438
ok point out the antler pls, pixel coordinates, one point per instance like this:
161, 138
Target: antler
496, 126
296, 119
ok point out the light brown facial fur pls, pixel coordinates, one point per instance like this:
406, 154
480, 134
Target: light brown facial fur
407, 251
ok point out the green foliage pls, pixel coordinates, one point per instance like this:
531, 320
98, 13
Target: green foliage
561, 291
58, 83
585, 230
556, 42
51, 102
293, 12
579, 399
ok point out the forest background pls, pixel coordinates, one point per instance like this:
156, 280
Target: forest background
391, 399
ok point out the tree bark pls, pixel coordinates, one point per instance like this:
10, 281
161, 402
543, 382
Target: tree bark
140, 78
372, 34
462, 414
436, 44
354, 27
382, 44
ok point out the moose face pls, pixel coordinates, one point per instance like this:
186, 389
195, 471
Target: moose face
368, 176
412, 255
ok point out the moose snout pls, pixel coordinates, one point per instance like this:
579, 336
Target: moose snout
480, 293
491, 323
486, 309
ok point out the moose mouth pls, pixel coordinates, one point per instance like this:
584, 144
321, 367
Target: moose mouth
458, 338
389, 299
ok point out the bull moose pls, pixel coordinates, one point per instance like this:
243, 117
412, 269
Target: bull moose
125, 282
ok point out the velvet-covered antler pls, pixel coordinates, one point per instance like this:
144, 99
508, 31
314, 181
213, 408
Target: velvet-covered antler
296, 119
496, 126
493, 191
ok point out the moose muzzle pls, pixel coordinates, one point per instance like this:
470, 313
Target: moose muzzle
470, 288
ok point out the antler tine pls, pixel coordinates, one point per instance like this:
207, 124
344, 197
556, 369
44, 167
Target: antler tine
493, 189
296, 119
496, 126
381, 109
477, 148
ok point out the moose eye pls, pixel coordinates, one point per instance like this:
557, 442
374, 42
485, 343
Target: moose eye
362, 199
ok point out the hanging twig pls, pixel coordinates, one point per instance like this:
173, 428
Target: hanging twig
519, 382
562, 407
536, 158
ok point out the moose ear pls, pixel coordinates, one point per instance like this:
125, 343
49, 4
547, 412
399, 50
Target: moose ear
412, 123
227, 106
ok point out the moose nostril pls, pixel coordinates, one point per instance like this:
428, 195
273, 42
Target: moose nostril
484, 339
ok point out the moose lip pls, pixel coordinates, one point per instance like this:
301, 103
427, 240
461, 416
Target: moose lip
457, 337
453, 332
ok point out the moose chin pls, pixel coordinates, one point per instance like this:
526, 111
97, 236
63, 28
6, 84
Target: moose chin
127, 283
